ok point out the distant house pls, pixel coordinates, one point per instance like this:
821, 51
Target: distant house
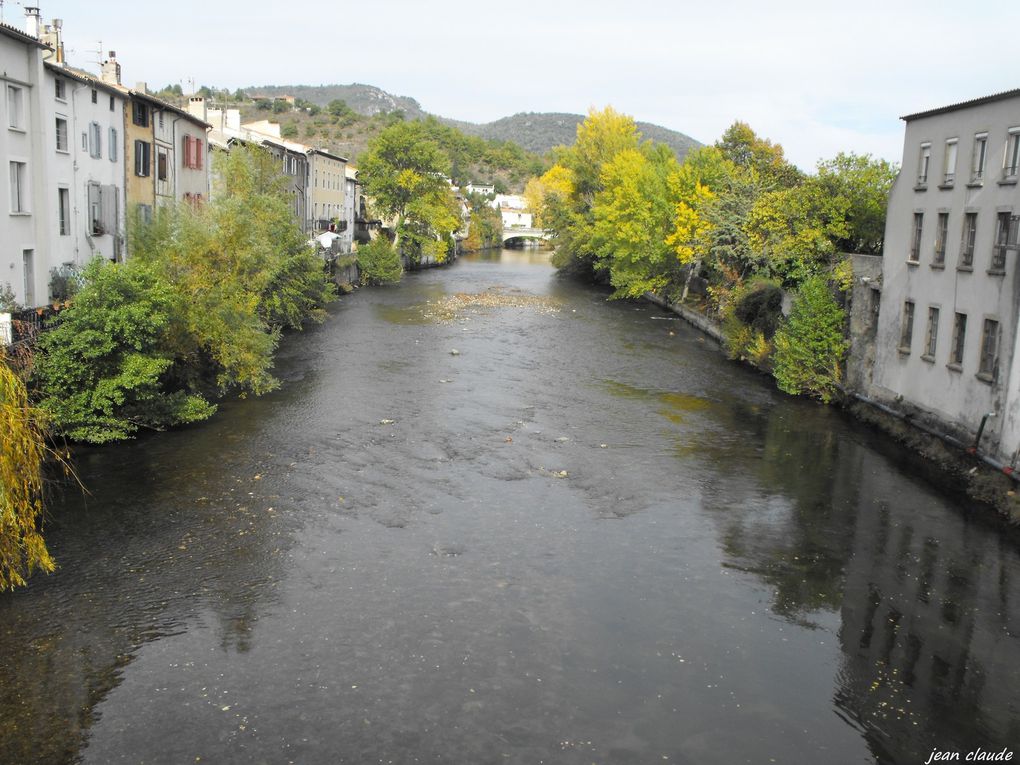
486, 190
166, 148
327, 190
514, 218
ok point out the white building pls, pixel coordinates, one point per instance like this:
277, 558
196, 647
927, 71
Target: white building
485, 189
514, 218
509, 201
25, 233
946, 335
85, 186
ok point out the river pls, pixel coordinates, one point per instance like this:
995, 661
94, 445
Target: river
585, 537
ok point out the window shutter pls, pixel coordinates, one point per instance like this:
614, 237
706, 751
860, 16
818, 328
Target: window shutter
199, 143
110, 202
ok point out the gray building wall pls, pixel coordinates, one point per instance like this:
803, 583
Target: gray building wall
953, 394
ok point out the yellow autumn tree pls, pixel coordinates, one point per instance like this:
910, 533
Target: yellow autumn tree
22, 455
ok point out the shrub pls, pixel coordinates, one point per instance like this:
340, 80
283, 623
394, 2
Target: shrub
750, 319
811, 344
379, 262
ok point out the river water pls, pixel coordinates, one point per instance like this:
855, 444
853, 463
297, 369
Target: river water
585, 538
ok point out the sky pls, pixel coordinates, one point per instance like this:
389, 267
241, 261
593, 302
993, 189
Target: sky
818, 77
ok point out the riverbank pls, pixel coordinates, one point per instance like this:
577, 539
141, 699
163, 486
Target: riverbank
956, 468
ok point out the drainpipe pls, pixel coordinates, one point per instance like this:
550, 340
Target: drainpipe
945, 437
981, 429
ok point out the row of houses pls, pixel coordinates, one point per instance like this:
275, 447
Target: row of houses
935, 318
84, 153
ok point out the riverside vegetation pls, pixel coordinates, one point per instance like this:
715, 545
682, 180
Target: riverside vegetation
196, 313
736, 220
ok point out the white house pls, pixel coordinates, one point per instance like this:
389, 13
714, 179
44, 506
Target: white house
946, 337
25, 233
485, 189
85, 187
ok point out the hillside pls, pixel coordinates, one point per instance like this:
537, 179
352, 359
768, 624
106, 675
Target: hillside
536, 132
539, 132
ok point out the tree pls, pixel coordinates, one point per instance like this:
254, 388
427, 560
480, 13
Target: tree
746, 150
104, 367
634, 215
864, 182
379, 262
405, 174
22, 548
810, 345
196, 312
601, 136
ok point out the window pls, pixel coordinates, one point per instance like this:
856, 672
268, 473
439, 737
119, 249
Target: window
140, 115
1011, 167
64, 211
142, 158
96, 210
989, 350
915, 242
967, 245
60, 89
949, 172
19, 187
959, 335
95, 140
145, 213
941, 234
932, 336
907, 328
193, 152
113, 104
162, 164
15, 108
28, 269
161, 120
977, 168
1002, 226
113, 144
95, 96
62, 134
923, 164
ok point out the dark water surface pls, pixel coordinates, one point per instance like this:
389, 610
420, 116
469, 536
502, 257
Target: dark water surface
734, 577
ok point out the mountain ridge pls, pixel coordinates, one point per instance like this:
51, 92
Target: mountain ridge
535, 131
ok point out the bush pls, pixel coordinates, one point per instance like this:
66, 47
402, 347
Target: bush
379, 262
750, 319
810, 346
103, 368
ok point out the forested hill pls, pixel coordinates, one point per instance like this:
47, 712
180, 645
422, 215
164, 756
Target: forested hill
537, 132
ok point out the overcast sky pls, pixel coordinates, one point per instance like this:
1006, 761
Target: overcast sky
817, 77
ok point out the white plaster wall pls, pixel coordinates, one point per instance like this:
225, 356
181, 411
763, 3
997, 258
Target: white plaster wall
959, 397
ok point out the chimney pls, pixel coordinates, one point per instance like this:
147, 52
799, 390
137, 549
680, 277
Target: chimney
111, 70
141, 87
33, 21
197, 108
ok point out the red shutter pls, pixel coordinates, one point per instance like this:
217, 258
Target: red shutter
199, 143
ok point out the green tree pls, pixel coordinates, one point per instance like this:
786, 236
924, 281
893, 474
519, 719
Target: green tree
405, 175
864, 183
810, 345
601, 136
379, 262
24, 451
104, 366
196, 312
746, 150
634, 217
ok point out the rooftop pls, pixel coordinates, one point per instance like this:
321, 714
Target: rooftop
19, 35
1006, 94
